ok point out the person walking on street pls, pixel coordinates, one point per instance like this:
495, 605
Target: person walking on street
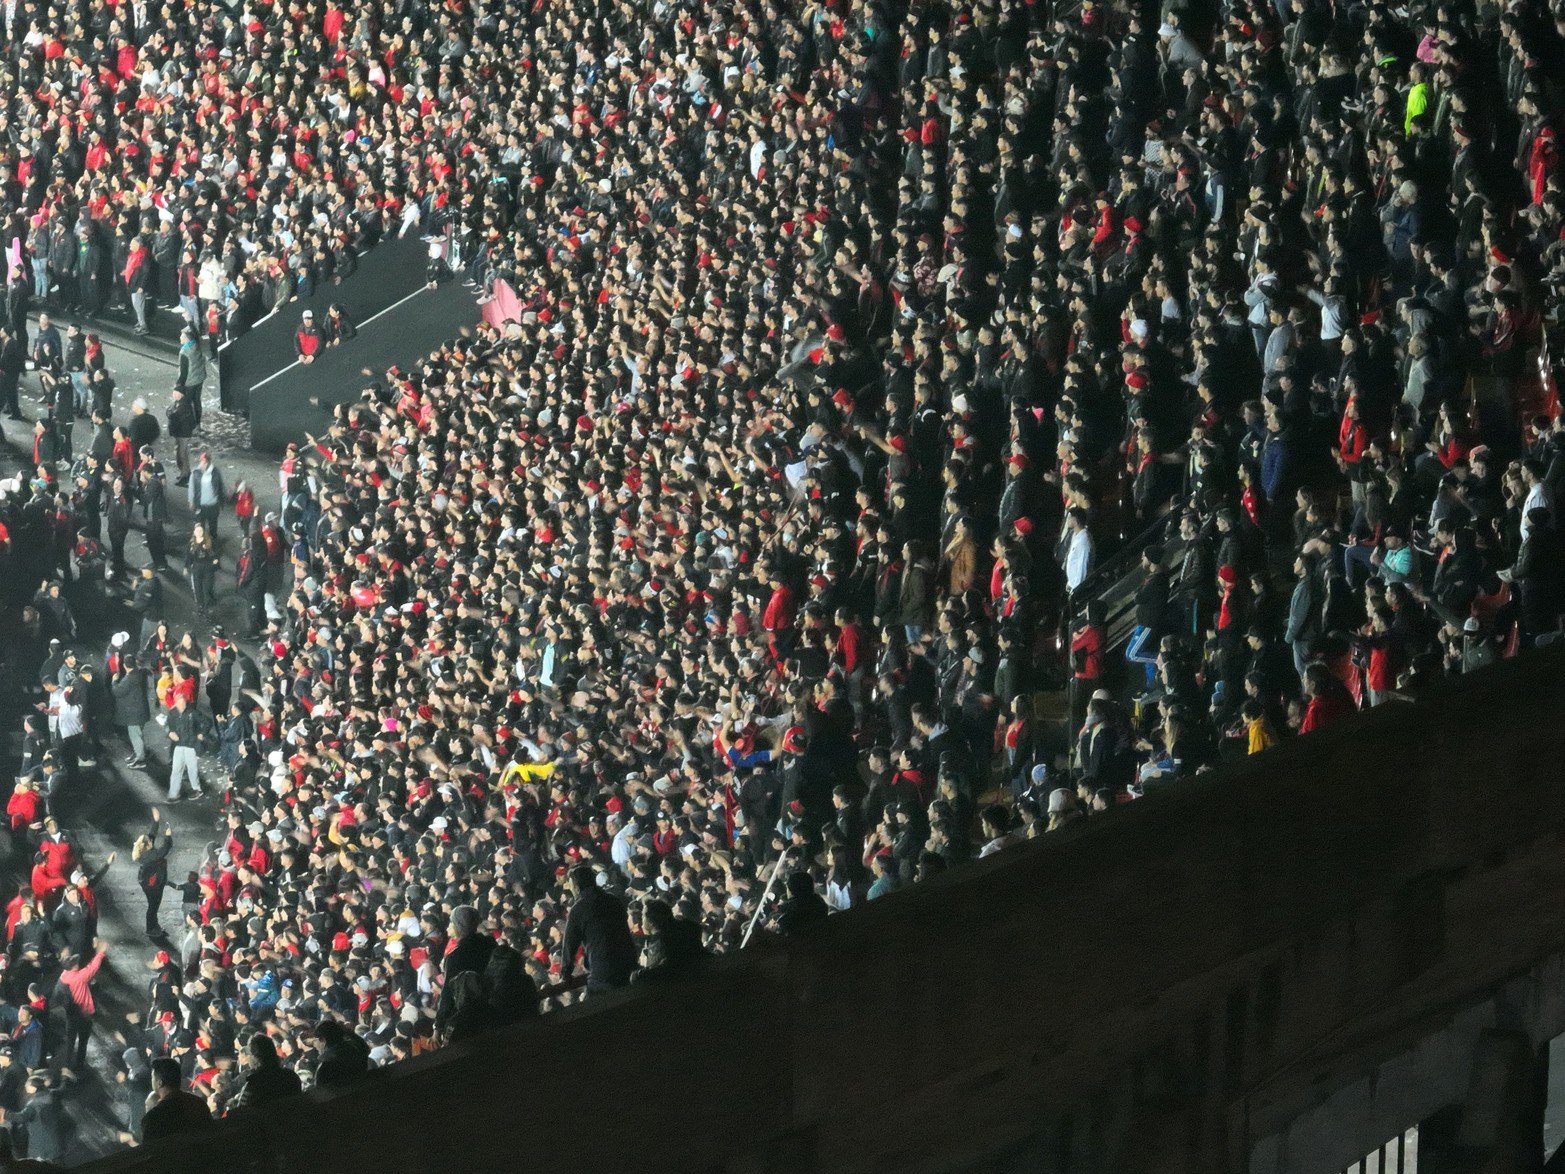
77, 978
154, 506
147, 602
192, 369
206, 493
186, 726
151, 856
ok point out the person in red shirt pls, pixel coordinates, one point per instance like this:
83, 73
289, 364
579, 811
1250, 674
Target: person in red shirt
778, 616
1326, 698
1380, 652
244, 506
666, 838
307, 341
1352, 436
1087, 646
77, 978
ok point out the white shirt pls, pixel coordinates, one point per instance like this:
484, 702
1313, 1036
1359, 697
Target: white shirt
839, 897
620, 847
1538, 498
1078, 559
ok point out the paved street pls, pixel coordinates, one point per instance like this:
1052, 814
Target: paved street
107, 808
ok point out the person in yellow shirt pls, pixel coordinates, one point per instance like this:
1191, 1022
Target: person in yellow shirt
1259, 733
1417, 98
524, 772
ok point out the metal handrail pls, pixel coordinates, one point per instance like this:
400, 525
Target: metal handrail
1127, 554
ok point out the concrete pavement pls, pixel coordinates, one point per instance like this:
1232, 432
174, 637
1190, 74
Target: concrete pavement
110, 804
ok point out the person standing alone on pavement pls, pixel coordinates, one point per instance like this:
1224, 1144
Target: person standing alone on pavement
206, 493
181, 426
151, 856
131, 707
185, 729
192, 369
13, 361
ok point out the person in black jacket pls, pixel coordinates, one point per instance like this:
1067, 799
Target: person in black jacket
171, 1109
469, 1012
338, 327
154, 505
600, 922
142, 427
672, 943
118, 515
268, 1080
150, 853
147, 602
13, 361
89, 272
344, 1056
1151, 613
471, 953
181, 426
72, 921
512, 992
804, 906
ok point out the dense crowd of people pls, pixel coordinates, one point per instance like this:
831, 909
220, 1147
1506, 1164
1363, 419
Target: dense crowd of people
713, 592
218, 162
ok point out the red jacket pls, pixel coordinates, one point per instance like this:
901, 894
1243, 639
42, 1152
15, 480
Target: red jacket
22, 807
1323, 709
307, 341
849, 642
1352, 440
778, 616
1087, 652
